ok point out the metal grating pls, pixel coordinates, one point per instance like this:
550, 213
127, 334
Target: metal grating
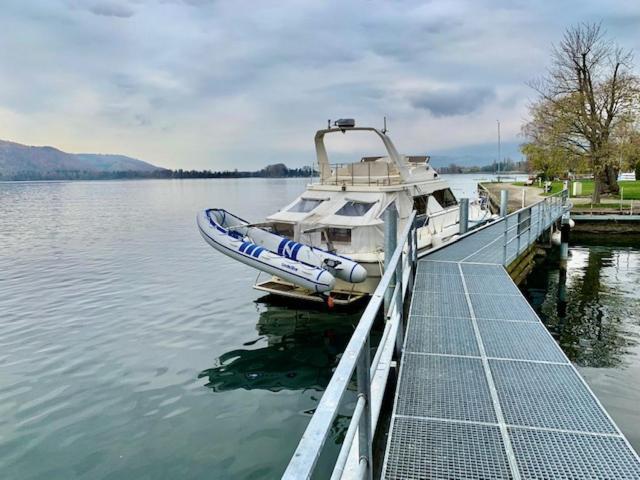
444, 387
438, 268
440, 305
438, 283
543, 455
519, 340
444, 418
483, 270
490, 285
421, 449
548, 396
447, 335
503, 307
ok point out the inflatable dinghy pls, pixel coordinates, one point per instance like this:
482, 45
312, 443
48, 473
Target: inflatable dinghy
303, 265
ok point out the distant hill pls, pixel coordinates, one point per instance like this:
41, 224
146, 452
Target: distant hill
23, 162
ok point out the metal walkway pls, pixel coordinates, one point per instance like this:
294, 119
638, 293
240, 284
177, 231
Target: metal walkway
484, 391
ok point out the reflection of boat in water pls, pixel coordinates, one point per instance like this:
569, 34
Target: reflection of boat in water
331, 238
298, 352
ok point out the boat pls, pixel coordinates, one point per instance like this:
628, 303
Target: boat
328, 243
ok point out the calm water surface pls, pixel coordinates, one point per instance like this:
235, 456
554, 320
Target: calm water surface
598, 324
129, 349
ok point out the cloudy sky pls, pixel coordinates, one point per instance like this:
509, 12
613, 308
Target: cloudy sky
230, 84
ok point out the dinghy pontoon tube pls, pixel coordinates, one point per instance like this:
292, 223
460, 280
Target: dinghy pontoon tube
300, 264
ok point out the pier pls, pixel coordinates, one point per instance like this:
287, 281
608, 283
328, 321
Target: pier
484, 391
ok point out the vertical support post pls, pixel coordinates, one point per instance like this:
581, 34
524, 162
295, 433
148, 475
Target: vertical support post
504, 240
504, 202
529, 227
399, 303
518, 231
464, 215
415, 248
364, 427
524, 197
564, 239
390, 240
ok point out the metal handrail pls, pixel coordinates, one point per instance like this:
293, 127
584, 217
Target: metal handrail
356, 356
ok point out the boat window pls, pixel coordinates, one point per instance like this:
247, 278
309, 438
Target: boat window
420, 204
354, 209
305, 205
283, 229
445, 197
340, 235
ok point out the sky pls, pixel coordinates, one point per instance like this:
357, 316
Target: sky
213, 84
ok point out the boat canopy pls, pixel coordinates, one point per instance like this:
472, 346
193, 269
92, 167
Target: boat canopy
351, 219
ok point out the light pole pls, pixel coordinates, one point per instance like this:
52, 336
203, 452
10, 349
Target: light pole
499, 152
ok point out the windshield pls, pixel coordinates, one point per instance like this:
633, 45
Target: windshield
354, 209
305, 205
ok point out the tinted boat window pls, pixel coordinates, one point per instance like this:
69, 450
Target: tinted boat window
445, 197
283, 229
354, 209
305, 205
340, 235
420, 204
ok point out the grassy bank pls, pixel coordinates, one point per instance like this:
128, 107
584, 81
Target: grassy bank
631, 189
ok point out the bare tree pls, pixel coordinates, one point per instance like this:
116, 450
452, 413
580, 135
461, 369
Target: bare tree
589, 92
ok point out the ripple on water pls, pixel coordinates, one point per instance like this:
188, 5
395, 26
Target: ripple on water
114, 316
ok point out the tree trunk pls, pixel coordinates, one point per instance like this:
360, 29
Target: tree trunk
597, 185
610, 183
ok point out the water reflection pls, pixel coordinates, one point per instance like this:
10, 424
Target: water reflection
588, 308
296, 350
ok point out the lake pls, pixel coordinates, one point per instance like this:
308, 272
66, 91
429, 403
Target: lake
130, 349
598, 323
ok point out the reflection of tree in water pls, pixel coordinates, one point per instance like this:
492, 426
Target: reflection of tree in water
590, 329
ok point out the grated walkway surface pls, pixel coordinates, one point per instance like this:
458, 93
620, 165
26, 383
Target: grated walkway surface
484, 391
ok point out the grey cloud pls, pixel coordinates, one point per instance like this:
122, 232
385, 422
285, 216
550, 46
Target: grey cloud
179, 64
109, 9
449, 102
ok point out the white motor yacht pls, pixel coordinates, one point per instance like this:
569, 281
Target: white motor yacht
343, 212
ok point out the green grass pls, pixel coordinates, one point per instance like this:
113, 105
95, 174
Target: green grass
612, 206
631, 189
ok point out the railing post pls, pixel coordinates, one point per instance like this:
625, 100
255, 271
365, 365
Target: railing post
518, 232
415, 248
529, 227
464, 215
364, 428
390, 240
504, 247
504, 203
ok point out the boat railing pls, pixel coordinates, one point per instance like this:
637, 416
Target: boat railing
371, 376
360, 173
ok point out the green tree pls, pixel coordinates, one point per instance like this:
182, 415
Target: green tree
588, 95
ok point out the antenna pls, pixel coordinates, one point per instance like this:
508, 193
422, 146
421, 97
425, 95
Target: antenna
384, 129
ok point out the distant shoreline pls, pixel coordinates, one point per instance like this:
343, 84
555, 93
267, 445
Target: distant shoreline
188, 175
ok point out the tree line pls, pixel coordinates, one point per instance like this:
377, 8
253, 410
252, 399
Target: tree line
271, 171
586, 116
507, 165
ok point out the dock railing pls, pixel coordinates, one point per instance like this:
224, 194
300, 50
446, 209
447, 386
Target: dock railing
507, 237
357, 358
